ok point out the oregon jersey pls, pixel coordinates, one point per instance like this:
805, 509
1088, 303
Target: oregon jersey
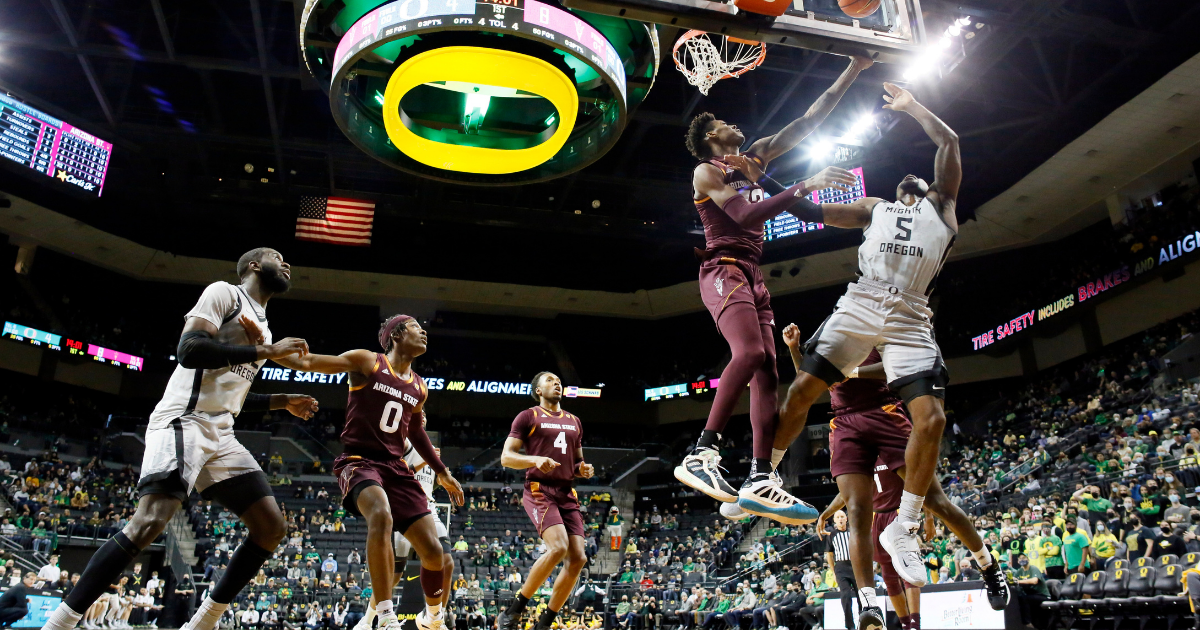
905, 246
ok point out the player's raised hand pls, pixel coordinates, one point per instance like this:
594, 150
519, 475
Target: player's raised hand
587, 471
302, 406
861, 62
286, 347
545, 464
830, 177
791, 336
253, 332
745, 166
898, 99
453, 488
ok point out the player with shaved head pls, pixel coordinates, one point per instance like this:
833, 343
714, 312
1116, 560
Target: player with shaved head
733, 210
552, 439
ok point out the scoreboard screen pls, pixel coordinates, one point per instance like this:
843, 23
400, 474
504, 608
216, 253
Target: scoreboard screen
786, 225
681, 390
52, 147
35, 337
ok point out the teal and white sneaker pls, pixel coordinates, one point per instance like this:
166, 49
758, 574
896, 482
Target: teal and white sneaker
735, 513
763, 495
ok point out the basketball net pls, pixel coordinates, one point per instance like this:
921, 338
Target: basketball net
704, 62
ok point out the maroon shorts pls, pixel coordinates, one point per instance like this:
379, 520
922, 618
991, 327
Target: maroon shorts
857, 439
405, 497
552, 505
895, 585
723, 281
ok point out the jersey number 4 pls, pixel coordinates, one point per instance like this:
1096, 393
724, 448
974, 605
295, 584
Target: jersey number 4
393, 412
561, 442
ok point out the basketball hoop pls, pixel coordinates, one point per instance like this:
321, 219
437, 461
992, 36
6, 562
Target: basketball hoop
704, 62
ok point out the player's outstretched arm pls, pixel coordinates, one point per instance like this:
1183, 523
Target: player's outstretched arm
198, 348
791, 338
353, 361
947, 164
838, 503
774, 146
856, 214
512, 457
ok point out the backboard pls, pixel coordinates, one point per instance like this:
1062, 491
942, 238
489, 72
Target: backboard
892, 34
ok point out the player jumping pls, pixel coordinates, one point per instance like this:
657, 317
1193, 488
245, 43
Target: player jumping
905, 243
190, 441
867, 440
376, 481
733, 211
552, 438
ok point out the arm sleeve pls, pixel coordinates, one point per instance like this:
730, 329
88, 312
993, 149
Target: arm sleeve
521, 425
748, 214
420, 442
771, 186
257, 402
198, 350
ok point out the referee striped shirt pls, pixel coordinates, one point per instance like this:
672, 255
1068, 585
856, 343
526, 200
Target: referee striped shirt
838, 544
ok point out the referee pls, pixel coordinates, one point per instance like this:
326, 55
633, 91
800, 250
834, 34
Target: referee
837, 554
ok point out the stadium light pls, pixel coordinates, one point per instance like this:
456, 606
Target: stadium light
820, 150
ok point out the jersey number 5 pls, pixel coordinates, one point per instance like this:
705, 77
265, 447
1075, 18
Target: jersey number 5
905, 234
561, 441
393, 412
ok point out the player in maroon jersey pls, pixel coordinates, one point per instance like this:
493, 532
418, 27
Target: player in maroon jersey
386, 396
552, 439
733, 209
906, 598
870, 425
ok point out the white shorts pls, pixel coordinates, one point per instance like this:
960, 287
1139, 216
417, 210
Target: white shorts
875, 315
201, 447
401, 546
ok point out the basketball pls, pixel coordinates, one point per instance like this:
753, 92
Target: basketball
859, 8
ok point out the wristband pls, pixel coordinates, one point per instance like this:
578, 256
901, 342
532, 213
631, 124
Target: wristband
853, 373
257, 402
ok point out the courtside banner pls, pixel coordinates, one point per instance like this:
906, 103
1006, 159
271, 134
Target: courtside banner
957, 605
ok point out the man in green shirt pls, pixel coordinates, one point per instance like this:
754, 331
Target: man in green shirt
1076, 548
1033, 589
1050, 547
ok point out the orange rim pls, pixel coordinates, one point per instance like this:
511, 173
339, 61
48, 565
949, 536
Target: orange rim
762, 51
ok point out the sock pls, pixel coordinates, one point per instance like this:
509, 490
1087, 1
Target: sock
760, 467
371, 612
432, 582
102, 570
207, 615
910, 507
243, 566
914, 621
777, 456
518, 605
983, 557
433, 610
63, 618
904, 622
384, 608
708, 439
866, 597
547, 618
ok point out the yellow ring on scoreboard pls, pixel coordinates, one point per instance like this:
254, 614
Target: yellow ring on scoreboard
486, 66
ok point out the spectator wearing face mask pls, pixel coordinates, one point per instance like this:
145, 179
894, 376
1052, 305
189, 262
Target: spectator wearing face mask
1177, 512
1104, 544
1033, 589
1170, 541
1076, 548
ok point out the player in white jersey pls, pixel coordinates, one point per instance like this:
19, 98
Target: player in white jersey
190, 442
905, 243
401, 547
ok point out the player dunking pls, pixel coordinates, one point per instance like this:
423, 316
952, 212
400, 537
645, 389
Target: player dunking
386, 395
190, 441
733, 211
867, 440
905, 243
552, 438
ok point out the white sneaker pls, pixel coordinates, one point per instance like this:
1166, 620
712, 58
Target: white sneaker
899, 539
735, 513
390, 622
702, 470
766, 497
425, 622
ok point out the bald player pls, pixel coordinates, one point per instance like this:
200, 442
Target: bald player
733, 209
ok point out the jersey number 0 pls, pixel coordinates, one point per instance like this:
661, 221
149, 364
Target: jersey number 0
393, 412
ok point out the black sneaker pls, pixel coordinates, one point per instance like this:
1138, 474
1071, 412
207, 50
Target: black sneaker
997, 586
871, 618
506, 621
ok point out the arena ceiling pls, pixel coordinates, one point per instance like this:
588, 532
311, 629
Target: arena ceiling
190, 92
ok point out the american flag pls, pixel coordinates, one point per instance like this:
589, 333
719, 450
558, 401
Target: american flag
335, 220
